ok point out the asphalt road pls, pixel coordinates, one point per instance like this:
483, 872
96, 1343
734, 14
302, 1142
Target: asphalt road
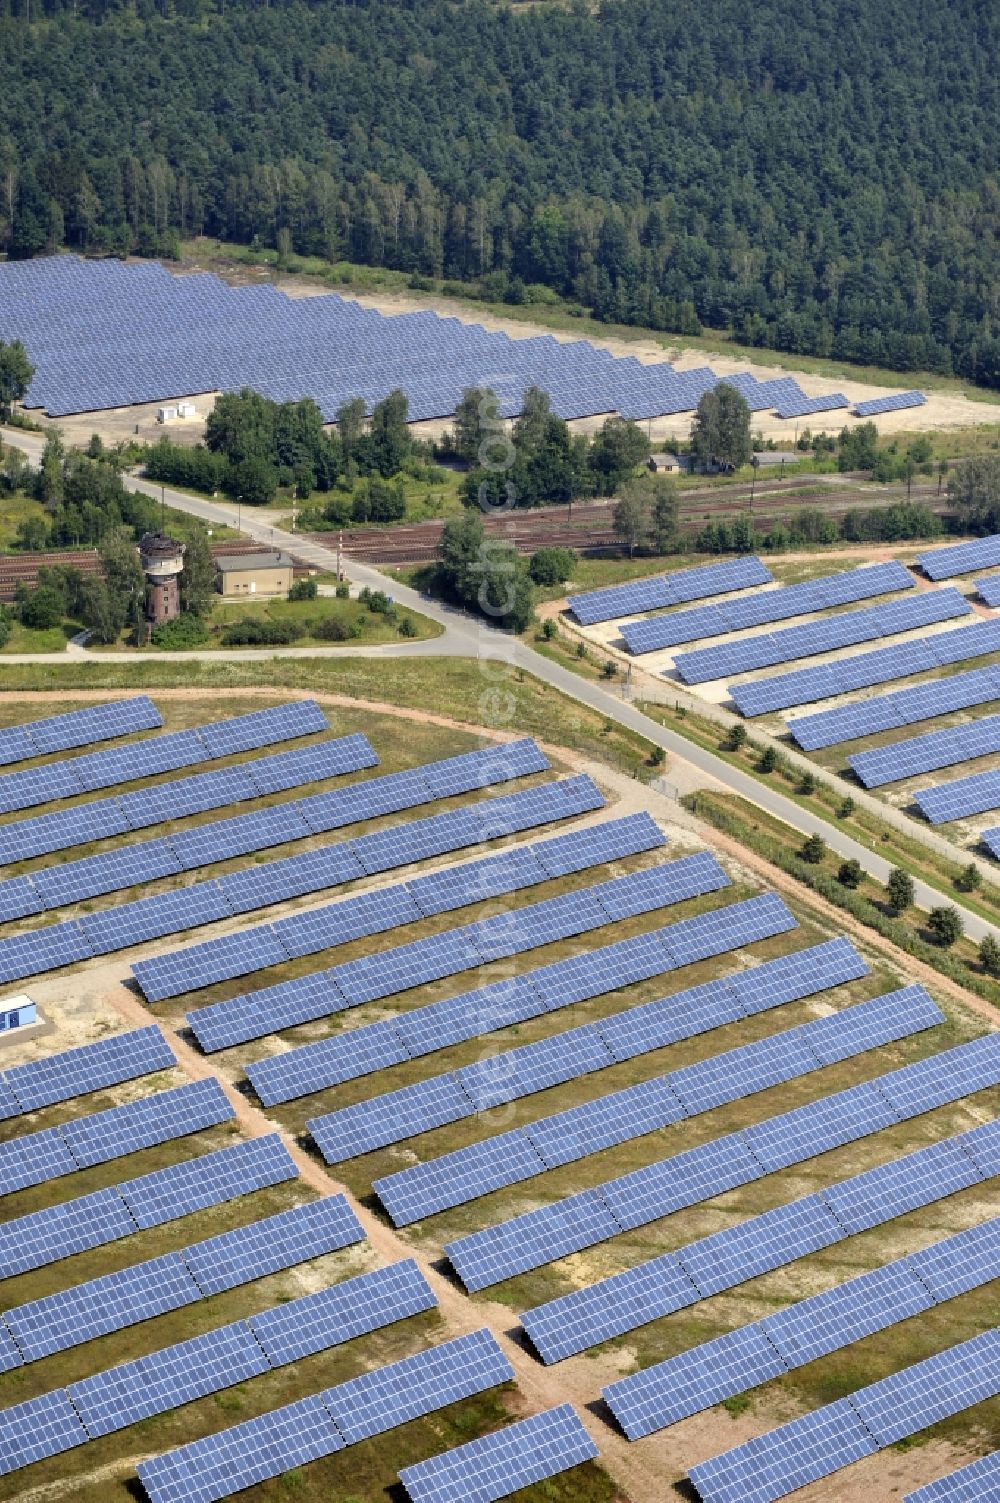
468, 636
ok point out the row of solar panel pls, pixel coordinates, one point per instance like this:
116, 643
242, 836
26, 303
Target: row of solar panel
896, 403
123, 814
866, 1422
669, 589
989, 589
56, 733
299, 1072
748, 611
324, 1423
76, 1072
114, 1301
85, 1141
961, 558
991, 840
803, 1332
465, 1174
104, 1216
166, 753
960, 799
514, 932
830, 634
725, 1259
528, 1241
121, 1396
979, 1482
299, 819
884, 665
108, 930
809, 405
581, 1320
667, 1185
905, 759
136, 865
499, 1078
891, 712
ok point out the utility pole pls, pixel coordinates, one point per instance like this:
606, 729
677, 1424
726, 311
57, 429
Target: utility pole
340, 545
163, 509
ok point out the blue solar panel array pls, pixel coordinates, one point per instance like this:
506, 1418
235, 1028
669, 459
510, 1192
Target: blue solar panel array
821, 1443
723, 1260
895, 403
37, 738
886, 664
809, 405
105, 1216
205, 902
961, 558
748, 611
669, 589
979, 1482
812, 1328
76, 1072
551, 1142
891, 712
362, 1407
496, 1465
827, 635
989, 589
85, 1141
960, 799
102, 334
166, 753
905, 759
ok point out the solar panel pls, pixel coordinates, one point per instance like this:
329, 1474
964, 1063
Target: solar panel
300, 1000
311, 764
941, 1385
825, 1322
229, 955
423, 1030
40, 950
889, 712
212, 1178
18, 899
905, 759
110, 1303
54, 733
727, 929
918, 1087
465, 1174
75, 1072
960, 1263
224, 738
166, 1379
961, 558
387, 1119
496, 1465
75, 825
234, 1459
819, 1126
959, 799
33, 1159
352, 918
56, 1232
741, 1252
378, 1401
330, 1316
146, 1122
804, 1450
589, 1315
890, 1190
894, 403
37, 1428
152, 918
280, 1241
562, 854
429, 959
694, 1380
979, 1482
532, 1239
673, 589
989, 589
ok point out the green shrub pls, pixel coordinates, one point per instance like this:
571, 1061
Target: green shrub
186, 630
850, 874
551, 566
332, 629
814, 850
304, 589
262, 633
343, 590
408, 627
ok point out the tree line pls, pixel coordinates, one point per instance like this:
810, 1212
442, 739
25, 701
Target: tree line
819, 181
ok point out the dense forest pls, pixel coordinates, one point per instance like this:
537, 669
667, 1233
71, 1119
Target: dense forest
817, 178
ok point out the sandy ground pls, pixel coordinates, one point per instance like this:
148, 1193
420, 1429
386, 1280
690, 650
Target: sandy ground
943, 409
98, 1001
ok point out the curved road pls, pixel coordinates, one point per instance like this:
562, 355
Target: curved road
467, 636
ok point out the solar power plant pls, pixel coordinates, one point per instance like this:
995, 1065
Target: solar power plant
989, 589
75, 1072
961, 558
905, 759
669, 589
657, 632
333, 1315
110, 1303
826, 635
723, 1260
891, 712
40, 1427
37, 738
496, 1465
823, 1442
96, 333
225, 1463
166, 753
894, 403
809, 405
959, 799
811, 1328
979, 1482
467, 1173
884, 665
280, 1241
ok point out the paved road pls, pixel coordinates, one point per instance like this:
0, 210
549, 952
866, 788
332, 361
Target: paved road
468, 636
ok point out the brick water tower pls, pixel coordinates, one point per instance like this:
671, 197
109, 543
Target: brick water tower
162, 560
